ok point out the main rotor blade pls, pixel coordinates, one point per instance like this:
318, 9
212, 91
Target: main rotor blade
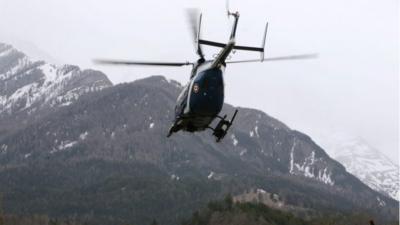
140, 63
281, 58
194, 19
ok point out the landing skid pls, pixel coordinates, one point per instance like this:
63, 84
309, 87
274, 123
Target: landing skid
222, 127
219, 131
174, 128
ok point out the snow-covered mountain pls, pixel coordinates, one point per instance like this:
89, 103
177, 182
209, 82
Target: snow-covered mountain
364, 161
27, 85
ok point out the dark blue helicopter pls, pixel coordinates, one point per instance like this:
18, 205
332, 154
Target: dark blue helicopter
201, 100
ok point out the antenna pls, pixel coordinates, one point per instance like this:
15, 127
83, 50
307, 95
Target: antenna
235, 15
228, 13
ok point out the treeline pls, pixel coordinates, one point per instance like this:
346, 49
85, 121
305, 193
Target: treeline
34, 220
228, 212
223, 212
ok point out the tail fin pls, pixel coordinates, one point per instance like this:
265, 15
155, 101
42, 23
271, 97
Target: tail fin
263, 43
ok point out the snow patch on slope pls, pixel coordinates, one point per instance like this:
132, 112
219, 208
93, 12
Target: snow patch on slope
84, 135
308, 167
64, 145
234, 140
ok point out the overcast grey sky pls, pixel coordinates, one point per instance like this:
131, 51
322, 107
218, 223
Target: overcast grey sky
352, 87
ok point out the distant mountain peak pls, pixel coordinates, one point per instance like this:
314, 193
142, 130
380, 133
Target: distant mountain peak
27, 85
364, 161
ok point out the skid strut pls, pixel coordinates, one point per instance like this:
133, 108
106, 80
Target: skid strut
223, 126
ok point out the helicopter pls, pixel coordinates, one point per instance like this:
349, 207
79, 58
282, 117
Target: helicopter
202, 98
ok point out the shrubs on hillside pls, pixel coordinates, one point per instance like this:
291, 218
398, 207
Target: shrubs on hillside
227, 212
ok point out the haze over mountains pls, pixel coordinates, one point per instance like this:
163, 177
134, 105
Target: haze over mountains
71, 144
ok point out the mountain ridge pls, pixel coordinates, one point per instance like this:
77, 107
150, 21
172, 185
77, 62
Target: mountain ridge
30, 89
25, 82
107, 150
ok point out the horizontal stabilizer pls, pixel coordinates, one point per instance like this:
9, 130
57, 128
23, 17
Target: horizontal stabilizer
237, 47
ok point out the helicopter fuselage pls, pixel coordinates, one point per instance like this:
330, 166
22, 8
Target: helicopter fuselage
201, 100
